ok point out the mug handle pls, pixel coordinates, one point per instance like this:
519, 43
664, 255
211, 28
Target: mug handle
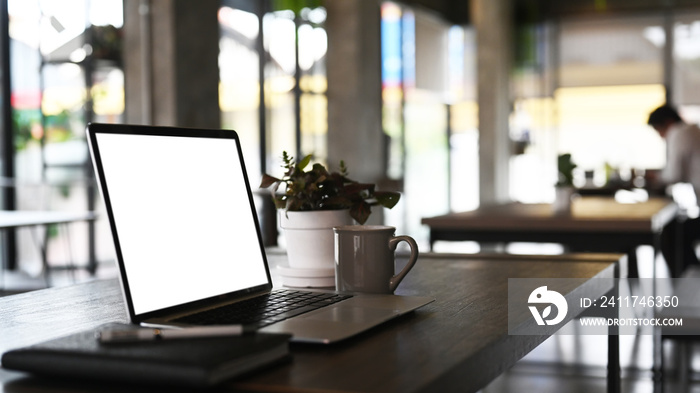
393, 242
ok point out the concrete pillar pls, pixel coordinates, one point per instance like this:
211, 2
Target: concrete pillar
354, 88
493, 22
171, 50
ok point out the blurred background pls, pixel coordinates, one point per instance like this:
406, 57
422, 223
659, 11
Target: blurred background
576, 76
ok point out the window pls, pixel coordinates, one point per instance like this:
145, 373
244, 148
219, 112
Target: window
587, 92
66, 71
273, 86
293, 117
429, 114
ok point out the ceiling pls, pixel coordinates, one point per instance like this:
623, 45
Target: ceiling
457, 11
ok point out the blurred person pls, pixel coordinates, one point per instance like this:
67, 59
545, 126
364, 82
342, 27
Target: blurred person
682, 166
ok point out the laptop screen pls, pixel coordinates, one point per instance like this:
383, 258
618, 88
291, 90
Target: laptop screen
183, 217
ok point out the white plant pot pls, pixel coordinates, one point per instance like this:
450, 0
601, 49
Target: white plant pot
562, 200
310, 238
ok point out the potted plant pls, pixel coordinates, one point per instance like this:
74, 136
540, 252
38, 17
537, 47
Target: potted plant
564, 188
313, 202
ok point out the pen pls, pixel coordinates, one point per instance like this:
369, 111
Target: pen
148, 334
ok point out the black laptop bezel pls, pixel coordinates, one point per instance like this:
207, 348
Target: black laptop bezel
130, 129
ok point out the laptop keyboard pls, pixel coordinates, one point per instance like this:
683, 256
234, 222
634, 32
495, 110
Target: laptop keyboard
264, 310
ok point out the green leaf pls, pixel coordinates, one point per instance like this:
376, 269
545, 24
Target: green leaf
304, 162
319, 170
387, 199
565, 167
288, 162
319, 189
343, 168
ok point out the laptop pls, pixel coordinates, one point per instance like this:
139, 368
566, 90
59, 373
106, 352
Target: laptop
187, 238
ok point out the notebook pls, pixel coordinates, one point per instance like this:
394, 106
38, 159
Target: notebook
187, 238
197, 363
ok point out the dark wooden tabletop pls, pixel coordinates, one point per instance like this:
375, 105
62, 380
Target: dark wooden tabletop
589, 214
460, 342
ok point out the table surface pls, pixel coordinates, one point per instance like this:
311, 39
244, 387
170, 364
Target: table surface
460, 342
25, 218
588, 214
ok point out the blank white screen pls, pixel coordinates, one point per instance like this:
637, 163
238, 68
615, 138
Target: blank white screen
183, 218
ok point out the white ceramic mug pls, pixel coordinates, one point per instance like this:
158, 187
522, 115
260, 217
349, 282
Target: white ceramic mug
365, 261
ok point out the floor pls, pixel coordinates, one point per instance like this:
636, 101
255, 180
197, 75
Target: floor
577, 363
564, 363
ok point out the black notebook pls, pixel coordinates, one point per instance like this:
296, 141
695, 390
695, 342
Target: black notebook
200, 362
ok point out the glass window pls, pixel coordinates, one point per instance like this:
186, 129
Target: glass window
293, 81
464, 121
240, 82
280, 82
313, 44
66, 71
587, 90
284, 63
611, 76
686, 64
429, 114
609, 52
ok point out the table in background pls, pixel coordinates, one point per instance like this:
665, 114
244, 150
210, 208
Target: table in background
13, 219
460, 342
596, 224
24, 218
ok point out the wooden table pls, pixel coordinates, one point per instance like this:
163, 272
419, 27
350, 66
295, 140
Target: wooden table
460, 342
596, 224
